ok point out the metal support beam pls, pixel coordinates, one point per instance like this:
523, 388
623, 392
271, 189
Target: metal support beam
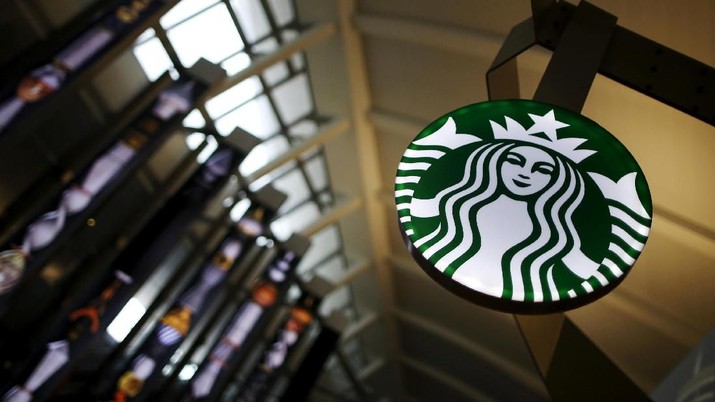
575, 62
566, 358
365, 322
502, 78
325, 134
643, 65
304, 41
334, 215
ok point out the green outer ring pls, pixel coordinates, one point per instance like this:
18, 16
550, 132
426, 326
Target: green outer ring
508, 305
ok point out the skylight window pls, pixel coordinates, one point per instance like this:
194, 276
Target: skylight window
211, 35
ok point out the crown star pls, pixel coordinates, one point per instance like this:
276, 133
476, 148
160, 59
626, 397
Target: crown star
546, 124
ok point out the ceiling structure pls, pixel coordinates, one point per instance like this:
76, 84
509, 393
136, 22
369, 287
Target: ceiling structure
379, 71
408, 62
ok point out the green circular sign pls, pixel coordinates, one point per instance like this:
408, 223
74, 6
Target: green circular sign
522, 206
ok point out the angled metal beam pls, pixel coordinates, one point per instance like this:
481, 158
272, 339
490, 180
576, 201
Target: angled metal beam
646, 66
372, 368
343, 208
365, 322
566, 358
502, 78
577, 58
352, 272
326, 133
307, 39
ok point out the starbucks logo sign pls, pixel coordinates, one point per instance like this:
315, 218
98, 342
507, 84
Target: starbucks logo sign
522, 206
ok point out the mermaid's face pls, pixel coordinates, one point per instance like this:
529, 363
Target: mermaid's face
527, 170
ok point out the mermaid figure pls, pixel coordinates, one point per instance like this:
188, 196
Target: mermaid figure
507, 225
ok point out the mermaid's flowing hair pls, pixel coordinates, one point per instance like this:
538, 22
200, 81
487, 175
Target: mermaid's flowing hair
529, 275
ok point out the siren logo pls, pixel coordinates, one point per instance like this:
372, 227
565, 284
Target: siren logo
522, 201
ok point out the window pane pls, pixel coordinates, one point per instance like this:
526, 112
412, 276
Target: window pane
268, 178
211, 35
282, 11
299, 219
294, 186
262, 154
183, 10
333, 269
336, 300
298, 61
234, 96
289, 35
256, 117
293, 98
328, 240
317, 173
275, 73
304, 129
146, 35
236, 63
252, 18
194, 119
193, 141
153, 58
269, 45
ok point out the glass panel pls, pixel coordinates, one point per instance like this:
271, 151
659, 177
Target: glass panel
262, 154
282, 11
194, 119
256, 117
298, 61
234, 96
333, 268
276, 73
193, 141
268, 178
326, 198
153, 58
317, 172
293, 98
211, 35
206, 152
289, 34
329, 241
337, 300
297, 220
269, 45
294, 186
146, 35
183, 10
304, 129
252, 18
236, 63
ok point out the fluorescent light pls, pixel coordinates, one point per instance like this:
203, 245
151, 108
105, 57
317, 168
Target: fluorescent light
126, 320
